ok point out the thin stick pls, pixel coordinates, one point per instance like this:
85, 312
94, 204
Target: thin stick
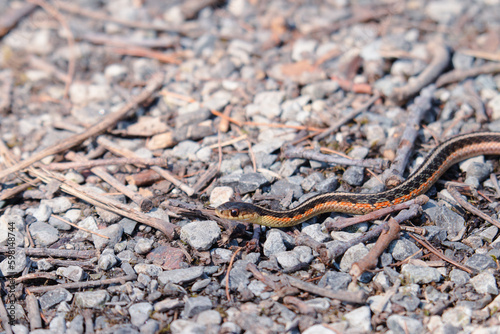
137, 51
469, 207
33, 311
441, 59
58, 166
82, 285
417, 110
49, 252
460, 75
371, 259
436, 252
109, 121
345, 296
10, 18
228, 295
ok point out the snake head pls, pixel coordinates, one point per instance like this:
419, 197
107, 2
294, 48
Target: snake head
239, 211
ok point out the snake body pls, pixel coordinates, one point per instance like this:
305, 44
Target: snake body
436, 163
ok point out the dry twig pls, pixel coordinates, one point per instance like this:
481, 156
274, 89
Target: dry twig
228, 295
469, 207
12, 16
441, 58
82, 285
416, 112
460, 75
371, 259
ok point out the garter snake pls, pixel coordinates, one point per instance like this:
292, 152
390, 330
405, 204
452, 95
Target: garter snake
435, 164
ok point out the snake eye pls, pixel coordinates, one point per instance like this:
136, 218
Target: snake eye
235, 213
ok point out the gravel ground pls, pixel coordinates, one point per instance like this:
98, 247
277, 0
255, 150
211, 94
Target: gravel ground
124, 123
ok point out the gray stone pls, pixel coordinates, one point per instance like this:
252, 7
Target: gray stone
354, 175
114, 232
148, 269
88, 223
128, 225
74, 273
352, 255
143, 246
239, 276
221, 255
73, 215
402, 249
489, 234
58, 223
150, 327
180, 276
319, 304
319, 329
319, 90
274, 243
107, 261
259, 289
420, 274
43, 234
200, 285
328, 185
311, 180
230, 327
76, 325
443, 217
315, 232
91, 299
444, 11
20, 329
459, 277
139, 313
168, 304
485, 283
480, 262
58, 324
127, 256
282, 188
58, 204
335, 280
196, 305
54, 297
220, 195
360, 319
41, 213
379, 303
44, 265
303, 49
408, 301
186, 150
209, 317
13, 266
458, 316
404, 325
201, 235
250, 182
181, 326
